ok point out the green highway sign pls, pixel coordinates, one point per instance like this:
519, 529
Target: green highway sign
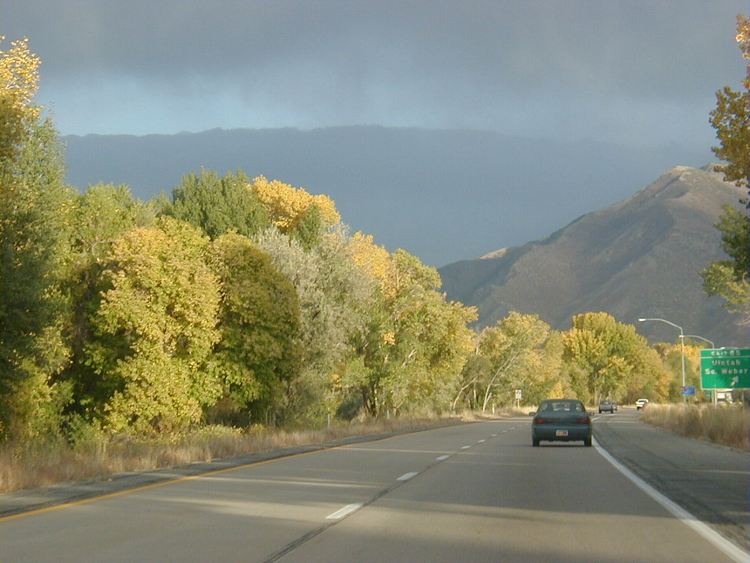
725, 368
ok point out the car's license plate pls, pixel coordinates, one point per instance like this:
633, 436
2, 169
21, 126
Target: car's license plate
561, 433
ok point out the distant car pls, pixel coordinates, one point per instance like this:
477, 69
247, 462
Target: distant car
563, 420
641, 403
607, 406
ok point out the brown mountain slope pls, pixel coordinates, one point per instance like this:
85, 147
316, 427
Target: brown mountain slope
637, 258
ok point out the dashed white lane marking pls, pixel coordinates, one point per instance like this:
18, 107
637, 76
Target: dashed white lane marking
442, 458
346, 511
465, 447
407, 476
678, 512
481, 441
493, 435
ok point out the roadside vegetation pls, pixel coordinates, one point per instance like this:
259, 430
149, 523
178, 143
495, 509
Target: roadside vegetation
224, 316
726, 426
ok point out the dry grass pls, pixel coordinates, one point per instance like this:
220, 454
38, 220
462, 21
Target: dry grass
727, 426
25, 466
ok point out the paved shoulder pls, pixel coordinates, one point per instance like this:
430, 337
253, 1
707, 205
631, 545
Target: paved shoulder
710, 482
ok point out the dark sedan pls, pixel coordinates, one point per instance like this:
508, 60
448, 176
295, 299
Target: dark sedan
607, 406
563, 420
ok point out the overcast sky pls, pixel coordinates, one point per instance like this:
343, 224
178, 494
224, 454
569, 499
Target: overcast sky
624, 71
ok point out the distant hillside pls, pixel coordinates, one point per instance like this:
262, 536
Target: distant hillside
637, 258
442, 195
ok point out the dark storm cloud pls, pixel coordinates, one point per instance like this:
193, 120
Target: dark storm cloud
572, 86
506, 65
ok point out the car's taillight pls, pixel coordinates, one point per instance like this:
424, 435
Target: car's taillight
583, 420
540, 421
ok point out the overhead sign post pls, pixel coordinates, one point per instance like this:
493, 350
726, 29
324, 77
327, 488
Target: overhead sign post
725, 368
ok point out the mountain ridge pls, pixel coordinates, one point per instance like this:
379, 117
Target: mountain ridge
440, 194
636, 258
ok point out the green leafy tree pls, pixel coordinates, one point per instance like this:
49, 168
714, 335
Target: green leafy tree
522, 356
729, 278
731, 119
477, 370
258, 353
430, 345
310, 228
334, 299
218, 205
417, 342
35, 225
155, 330
670, 354
609, 359
101, 217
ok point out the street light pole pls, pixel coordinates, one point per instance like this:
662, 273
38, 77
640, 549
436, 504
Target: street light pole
713, 347
682, 340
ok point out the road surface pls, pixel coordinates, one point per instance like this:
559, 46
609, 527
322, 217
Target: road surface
475, 492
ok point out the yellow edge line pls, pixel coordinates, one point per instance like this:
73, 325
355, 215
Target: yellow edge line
36, 511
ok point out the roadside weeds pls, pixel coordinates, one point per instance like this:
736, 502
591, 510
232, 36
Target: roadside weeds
45, 463
726, 426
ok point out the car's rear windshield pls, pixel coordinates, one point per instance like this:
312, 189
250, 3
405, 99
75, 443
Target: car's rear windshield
561, 405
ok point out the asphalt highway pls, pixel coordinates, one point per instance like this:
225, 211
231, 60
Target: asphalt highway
474, 492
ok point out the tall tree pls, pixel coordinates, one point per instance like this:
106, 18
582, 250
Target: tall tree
156, 328
729, 278
218, 205
522, 355
426, 350
609, 359
35, 224
731, 119
19, 81
101, 217
334, 298
258, 353
417, 342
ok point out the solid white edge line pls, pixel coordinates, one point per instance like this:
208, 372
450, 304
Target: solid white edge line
346, 511
730, 549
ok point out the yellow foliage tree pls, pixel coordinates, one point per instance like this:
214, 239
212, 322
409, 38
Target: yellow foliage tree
743, 38
374, 260
19, 81
287, 205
